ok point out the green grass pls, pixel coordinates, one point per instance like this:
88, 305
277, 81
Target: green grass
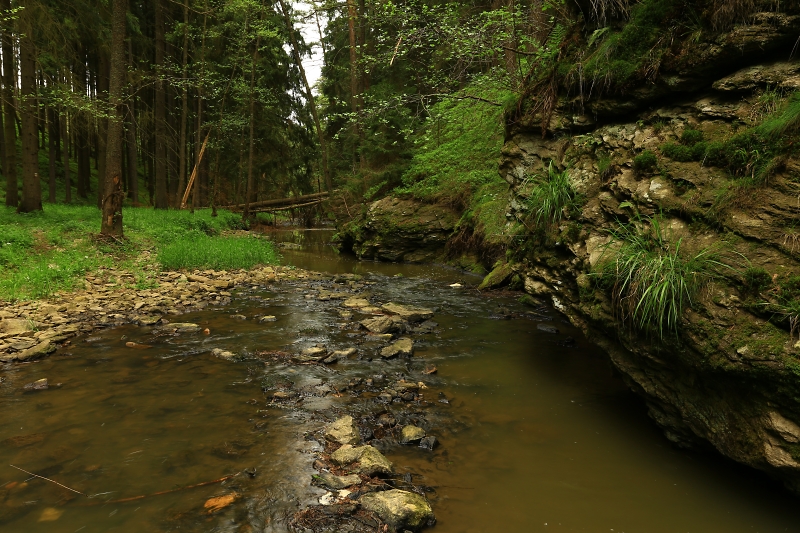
50, 251
551, 199
652, 279
217, 253
645, 162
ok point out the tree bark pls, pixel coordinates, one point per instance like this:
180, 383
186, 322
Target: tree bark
161, 199
51, 137
9, 70
102, 134
249, 192
184, 105
65, 155
323, 144
111, 224
31, 185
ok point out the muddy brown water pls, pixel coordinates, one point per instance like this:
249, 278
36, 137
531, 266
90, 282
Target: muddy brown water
538, 435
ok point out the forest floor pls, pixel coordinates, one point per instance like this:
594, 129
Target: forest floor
46, 253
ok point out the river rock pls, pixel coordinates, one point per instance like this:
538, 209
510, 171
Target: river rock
15, 326
223, 354
312, 354
267, 318
284, 395
412, 314
326, 479
367, 460
385, 324
148, 320
39, 384
343, 431
36, 352
402, 347
497, 278
547, 328
183, 327
356, 303
428, 443
399, 508
411, 434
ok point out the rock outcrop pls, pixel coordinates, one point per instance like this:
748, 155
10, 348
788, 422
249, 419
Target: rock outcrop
396, 229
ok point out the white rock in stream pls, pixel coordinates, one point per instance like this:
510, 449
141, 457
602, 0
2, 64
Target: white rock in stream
223, 354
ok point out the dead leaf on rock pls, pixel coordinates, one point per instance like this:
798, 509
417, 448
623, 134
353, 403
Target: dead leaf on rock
213, 505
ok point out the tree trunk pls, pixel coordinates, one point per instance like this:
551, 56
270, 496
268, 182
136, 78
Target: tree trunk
31, 185
184, 105
102, 126
65, 155
52, 135
249, 191
309, 95
112, 199
133, 173
10, 168
161, 199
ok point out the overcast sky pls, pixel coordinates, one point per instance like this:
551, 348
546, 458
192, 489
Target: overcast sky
313, 64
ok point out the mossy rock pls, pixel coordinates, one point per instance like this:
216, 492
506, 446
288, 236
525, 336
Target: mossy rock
498, 277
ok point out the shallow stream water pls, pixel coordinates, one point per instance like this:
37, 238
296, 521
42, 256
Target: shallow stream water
538, 433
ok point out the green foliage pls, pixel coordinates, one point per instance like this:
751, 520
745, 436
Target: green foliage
217, 253
677, 152
645, 162
691, 136
781, 124
651, 278
636, 49
45, 252
550, 199
455, 160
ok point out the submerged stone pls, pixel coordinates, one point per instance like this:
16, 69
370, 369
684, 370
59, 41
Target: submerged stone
326, 479
411, 434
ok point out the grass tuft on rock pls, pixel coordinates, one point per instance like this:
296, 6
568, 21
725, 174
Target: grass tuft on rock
652, 279
551, 199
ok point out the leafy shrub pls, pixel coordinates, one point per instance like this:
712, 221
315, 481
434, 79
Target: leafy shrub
677, 152
645, 162
653, 280
691, 136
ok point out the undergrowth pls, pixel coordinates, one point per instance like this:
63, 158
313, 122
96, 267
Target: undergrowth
551, 198
49, 251
653, 279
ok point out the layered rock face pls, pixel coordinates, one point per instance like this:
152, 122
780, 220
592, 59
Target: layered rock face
731, 376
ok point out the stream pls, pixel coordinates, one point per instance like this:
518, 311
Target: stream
536, 432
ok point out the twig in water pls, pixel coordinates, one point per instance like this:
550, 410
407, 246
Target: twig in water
134, 498
47, 479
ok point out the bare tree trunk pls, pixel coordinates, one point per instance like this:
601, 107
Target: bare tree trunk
102, 134
112, 199
133, 173
31, 185
323, 144
9, 70
52, 136
65, 156
161, 199
249, 191
184, 105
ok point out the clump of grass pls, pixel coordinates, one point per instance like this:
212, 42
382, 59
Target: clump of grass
551, 199
645, 162
221, 253
652, 279
691, 136
677, 152
756, 279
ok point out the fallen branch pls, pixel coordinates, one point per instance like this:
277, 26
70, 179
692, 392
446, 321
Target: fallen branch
47, 479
